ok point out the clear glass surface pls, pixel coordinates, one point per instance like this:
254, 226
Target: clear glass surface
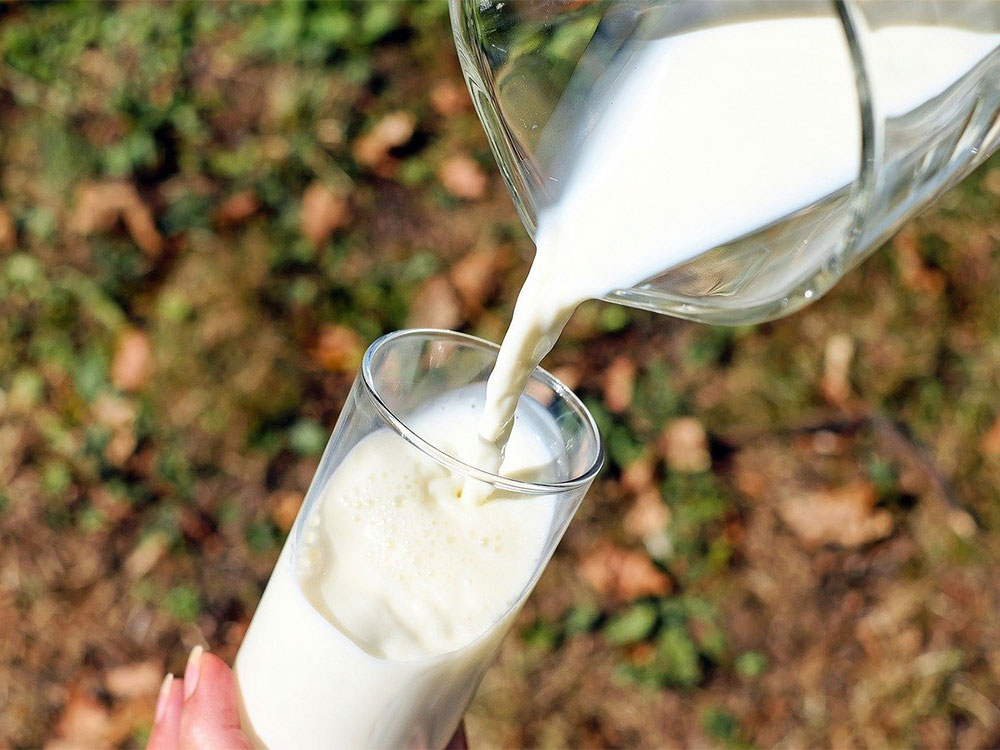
305, 683
541, 72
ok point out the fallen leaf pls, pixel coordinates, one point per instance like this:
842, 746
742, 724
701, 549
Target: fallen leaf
112, 506
118, 415
638, 475
82, 724
237, 208
100, 205
449, 98
845, 516
838, 355
113, 411
750, 480
330, 132
568, 375
8, 230
392, 131
132, 360
913, 273
463, 177
989, 444
475, 277
619, 383
435, 305
648, 515
685, 446
138, 678
338, 348
992, 181
146, 554
193, 524
323, 212
284, 507
623, 574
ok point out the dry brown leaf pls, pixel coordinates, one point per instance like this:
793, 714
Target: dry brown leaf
838, 355
568, 375
475, 277
112, 506
989, 444
623, 574
193, 524
338, 348
392, 131
619, 383
132, 360
435, 305
330, 132
685, 445
648, 516
237, 208
323, 212
146, 554
992, 181
138, 678
284, 507
844, 516
8, 230
100, 205
638, 475
463, 177
118, 415
914, 274
449, 98
82, 724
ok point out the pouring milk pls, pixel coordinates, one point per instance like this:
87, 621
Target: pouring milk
400, 592
708, 136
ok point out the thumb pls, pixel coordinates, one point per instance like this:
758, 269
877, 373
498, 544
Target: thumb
210, 719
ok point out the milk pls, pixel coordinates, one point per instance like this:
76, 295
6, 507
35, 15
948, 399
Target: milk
706, 137
375, 630
383, 618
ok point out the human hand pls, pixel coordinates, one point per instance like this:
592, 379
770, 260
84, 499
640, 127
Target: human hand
199, 712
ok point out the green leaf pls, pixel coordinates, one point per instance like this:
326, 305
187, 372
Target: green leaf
378, 20
632, 625
307, 438
614, 318
543, 635
721, 725
263, 537
677, 658
751, 663
183, 603
581, 619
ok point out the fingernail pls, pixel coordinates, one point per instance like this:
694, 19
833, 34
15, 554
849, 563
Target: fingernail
163, 698
191, 671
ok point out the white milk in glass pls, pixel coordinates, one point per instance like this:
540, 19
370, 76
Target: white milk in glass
398, 594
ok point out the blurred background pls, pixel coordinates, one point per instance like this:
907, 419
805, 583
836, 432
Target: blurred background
208, 210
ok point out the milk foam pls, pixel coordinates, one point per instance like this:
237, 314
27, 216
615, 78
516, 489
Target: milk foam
395, 561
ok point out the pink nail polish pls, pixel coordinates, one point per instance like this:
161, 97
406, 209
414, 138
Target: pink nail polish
163, 698
191, 671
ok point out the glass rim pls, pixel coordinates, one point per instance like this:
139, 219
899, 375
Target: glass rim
455, 464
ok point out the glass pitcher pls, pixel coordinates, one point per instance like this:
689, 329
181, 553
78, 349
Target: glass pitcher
820, 150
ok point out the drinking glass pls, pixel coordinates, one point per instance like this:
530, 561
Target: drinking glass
542, 72
304, 682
